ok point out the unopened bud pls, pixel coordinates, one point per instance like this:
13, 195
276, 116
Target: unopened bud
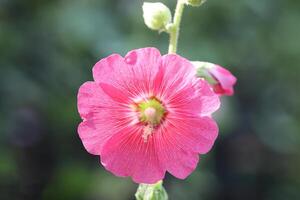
195, 3
221, 80
151, 192
156, 15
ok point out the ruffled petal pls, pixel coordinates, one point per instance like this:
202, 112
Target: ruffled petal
102, 116
94, 135
192, 134
181, 140
91, 98
145, 64
176, 160
110, 70
126, 154
177, 73
180, 90
144, 58
133, 74
195, 99
210, 102
114, 72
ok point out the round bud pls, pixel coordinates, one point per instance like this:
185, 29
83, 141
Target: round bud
151, 191
156, 15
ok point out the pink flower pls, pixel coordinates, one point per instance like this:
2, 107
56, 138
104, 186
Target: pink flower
225, 80
146, 114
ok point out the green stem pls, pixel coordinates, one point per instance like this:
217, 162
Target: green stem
174, 29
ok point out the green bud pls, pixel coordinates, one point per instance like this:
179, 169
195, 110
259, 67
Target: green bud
156, 15
151, 192
195, 3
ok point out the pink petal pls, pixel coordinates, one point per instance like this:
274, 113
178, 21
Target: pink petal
220, 90
108, 69
145, 64
113, 72
181, 90
126, 154
210, 102
93, 136
133, 75
224, 76
225, 80
182, 140
102, 116
146, 58
90, 98
193, 134
114, 93
194, 99
177, 161
177, 73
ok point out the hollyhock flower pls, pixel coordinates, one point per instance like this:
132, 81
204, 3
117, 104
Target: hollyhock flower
220, 78
146, 114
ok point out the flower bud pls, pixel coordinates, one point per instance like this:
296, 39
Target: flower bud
195, 3
221, 79
151, 192
156, 15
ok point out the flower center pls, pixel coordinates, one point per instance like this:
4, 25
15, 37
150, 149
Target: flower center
151, 113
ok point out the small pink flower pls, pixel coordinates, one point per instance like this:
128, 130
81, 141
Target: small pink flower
225, 80
146, 114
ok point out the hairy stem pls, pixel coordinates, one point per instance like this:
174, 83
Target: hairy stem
174, 29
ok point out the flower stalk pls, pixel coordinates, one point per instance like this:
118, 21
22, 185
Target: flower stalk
174, 28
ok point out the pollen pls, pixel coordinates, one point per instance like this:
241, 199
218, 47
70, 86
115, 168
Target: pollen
147, 131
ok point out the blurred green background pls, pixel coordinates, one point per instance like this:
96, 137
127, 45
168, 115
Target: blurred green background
47, 50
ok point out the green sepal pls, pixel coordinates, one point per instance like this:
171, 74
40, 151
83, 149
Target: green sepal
203, 71
151, 192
